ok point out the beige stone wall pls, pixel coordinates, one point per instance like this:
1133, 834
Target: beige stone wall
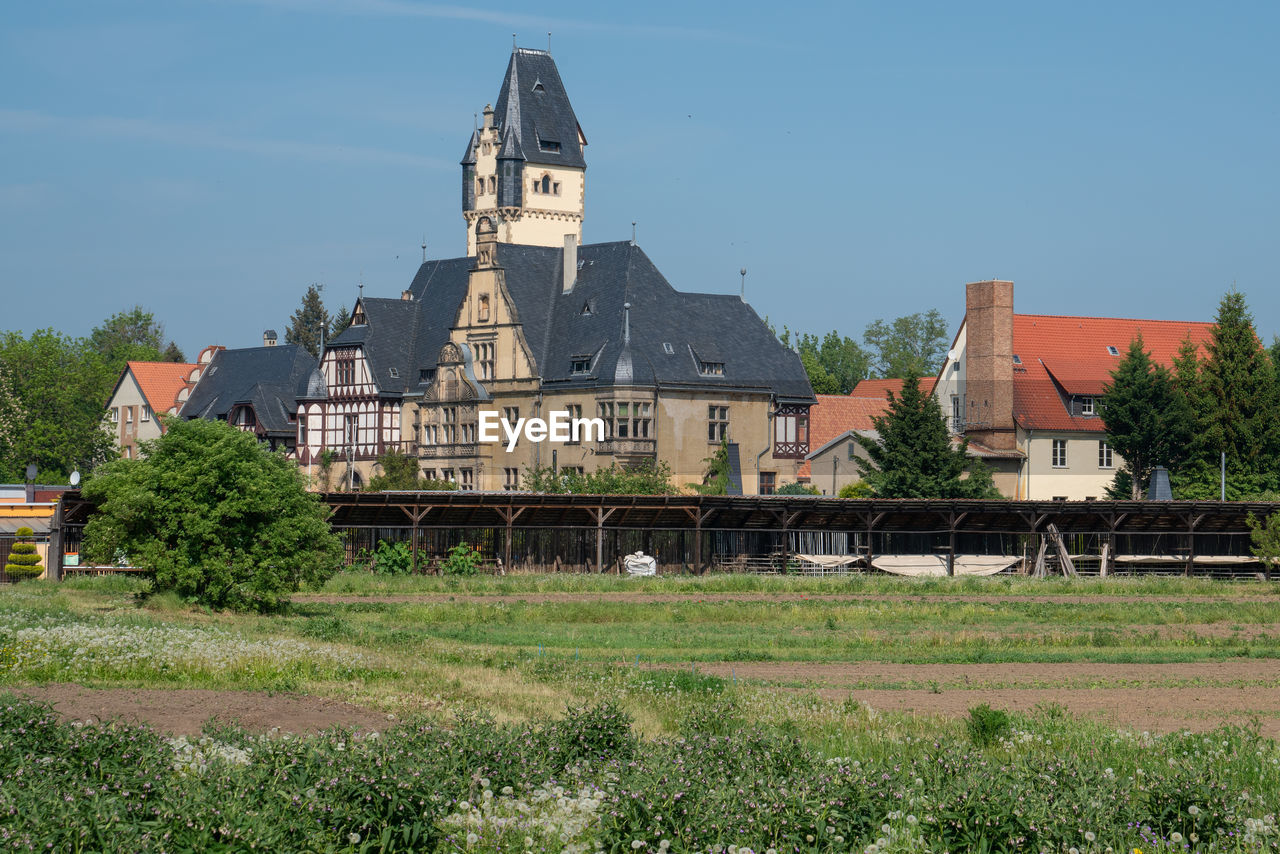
835, 468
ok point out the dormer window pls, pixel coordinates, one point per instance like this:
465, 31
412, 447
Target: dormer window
357, 316
549, 145
711, 369
580, 365
1086, 406
426, 375
668, 349
1112, 350
538, 87
394, 372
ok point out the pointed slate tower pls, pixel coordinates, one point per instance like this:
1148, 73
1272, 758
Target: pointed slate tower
524, 167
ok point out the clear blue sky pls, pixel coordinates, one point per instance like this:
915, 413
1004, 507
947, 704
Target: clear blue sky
209, 160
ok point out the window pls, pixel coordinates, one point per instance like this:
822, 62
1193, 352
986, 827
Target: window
344, 368
853, 450
1104, 455
426, 375
1086, 406
957, 413
1017, 360
511, 415
146, 412
128, 414
394, 372
430, 434
791, 433
711, 369
555, 188
466, 479
510, 478
350, 431
717, 423
1059, 453
482, 311
624, 419
549, 145
1112, 350
668, 349
493, 184
115, 415
545, 184
580, 365
484, 359
575, 412
447, 476
449, 429
768, 482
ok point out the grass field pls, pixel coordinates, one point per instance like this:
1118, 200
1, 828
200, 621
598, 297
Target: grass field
903, 715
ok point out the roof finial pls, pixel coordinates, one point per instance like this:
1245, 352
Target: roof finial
548, 41
513, 42
361, 287
626, 323
633, 232
743, 295
424, 247
321, 325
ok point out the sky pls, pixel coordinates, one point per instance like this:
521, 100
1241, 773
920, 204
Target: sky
210, 159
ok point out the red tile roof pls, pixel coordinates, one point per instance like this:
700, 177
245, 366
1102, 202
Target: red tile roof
881, 388
161, 381
1065, 356
836, 414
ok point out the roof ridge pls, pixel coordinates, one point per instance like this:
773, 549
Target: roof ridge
1124, 319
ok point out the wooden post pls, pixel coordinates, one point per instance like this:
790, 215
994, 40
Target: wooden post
54, 559
1104, 567
600, 514
509, 515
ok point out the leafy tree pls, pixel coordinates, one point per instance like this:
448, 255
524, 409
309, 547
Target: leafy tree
24, 562
913, 456
1265, 536
52, 393
133, 335
213, 515
1148, 422
307, 322
399, 471
340, 322
647, 478
797, 488
912, 344
716, 479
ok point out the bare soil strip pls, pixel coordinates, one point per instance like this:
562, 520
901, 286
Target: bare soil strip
185, 711
643, 598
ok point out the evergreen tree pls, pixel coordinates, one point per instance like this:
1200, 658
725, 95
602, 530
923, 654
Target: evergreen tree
173, 353
341, 321
307, 323
24, 561
1236, 392
914, 457
1148, 422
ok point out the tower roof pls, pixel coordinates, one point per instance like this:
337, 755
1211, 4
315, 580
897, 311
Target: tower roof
533, 104
469, 159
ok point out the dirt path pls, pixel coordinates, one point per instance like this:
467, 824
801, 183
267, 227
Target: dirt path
184, 712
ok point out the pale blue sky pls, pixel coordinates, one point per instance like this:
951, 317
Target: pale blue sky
209, 160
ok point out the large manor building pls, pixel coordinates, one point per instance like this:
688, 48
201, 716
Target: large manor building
534, 324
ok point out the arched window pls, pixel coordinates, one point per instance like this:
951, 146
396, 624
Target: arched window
482, 313
493, 184
546, 183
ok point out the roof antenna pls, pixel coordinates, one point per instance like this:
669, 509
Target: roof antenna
743, 295
633, 232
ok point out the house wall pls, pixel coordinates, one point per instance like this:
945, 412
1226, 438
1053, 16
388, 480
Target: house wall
1081, 478
129, 417
952, 382
830, 480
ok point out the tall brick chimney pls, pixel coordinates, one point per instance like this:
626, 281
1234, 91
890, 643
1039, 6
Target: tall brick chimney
989, 364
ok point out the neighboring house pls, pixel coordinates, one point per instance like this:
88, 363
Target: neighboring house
255, 389
144, 390
1025, 390
17, 511
532, 323
834, 422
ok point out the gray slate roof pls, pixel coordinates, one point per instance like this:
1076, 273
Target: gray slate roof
408, 335
270, 378
534, 104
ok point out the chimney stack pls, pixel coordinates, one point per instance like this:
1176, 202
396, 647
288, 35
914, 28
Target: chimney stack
988, 398
570, 263
269, 338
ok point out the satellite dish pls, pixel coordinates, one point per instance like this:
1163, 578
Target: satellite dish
31, 471
951, 355
75, 478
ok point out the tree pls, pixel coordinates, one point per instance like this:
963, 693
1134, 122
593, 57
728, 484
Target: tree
1239, 388
399, 471
912, 344
341, 321
172, 353
1265, 538
133, 335
647, 478
214, 516
309, 321
834, 364
913, 456
797, 488
57, 388
1148, 422
716, 479
24, 562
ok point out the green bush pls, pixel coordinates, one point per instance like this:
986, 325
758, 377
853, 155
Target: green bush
857, 489
461, 560
986, 725
594, 733
393, 558
24, 562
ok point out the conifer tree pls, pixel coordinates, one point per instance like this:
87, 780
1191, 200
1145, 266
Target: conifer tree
307, 322
24, 561
914, 457
1148, 422
341, 321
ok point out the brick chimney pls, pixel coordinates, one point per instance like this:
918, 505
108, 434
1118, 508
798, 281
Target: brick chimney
988, 402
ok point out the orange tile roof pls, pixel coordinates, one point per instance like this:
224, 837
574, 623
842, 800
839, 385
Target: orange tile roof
881, 388
835, 413
1065, 356
161, 381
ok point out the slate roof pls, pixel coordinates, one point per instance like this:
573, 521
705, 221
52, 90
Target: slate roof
1066, 356
408, 334
534, 104
271, 379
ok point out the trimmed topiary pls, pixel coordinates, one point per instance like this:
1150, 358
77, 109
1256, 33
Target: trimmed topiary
24, 562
